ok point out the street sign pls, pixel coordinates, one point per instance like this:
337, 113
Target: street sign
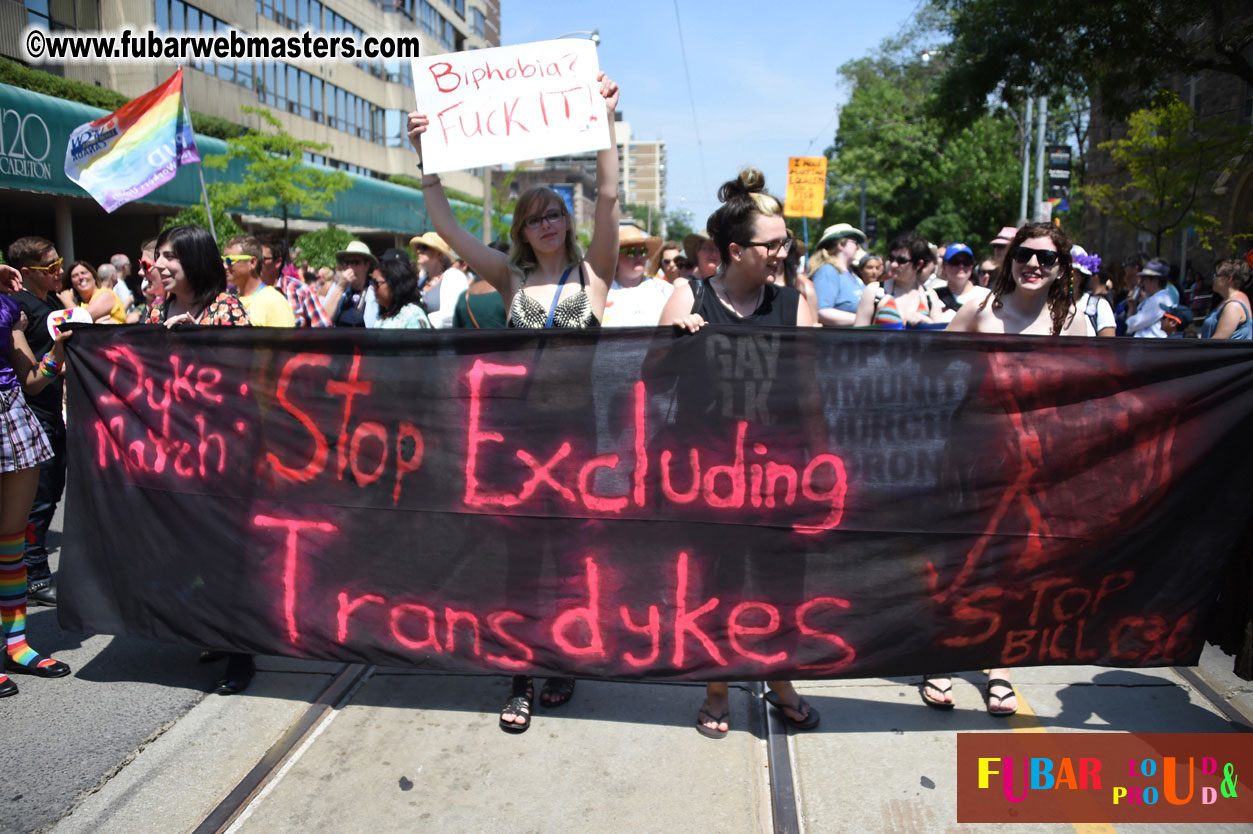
806, 186
1058, 171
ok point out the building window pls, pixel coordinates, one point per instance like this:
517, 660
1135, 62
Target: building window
478, 23
60, 15
458, 6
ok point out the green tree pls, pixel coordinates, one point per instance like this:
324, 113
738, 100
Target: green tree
320, 247
1165, 156
275, 182
678, 225
223, 223
1121, 50
964, 185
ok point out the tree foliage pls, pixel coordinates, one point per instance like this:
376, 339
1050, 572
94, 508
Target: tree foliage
276, 182
963, 186
1166, 155
678, 225
223, 223
319, 247
1120, 50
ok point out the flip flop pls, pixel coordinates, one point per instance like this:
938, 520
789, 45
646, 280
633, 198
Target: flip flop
928, 683
807, 723
1000, 699
711, 732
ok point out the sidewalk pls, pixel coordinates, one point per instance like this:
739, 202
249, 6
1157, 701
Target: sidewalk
422, 752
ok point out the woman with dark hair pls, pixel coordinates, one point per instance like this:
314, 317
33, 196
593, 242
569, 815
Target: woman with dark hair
192, 271
396, 289
902, 301
1231, 319
753, 242
531, 280
1030, 293
869, 268
101, 302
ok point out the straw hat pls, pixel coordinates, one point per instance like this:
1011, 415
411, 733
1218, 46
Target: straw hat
634, 236
356, 248
433, 241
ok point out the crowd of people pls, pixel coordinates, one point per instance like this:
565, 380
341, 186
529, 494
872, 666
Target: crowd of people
745, 267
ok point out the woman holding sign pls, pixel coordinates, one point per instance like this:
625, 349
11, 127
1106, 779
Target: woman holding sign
536, 280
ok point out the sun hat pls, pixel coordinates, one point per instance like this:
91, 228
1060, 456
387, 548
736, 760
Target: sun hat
692, 242
356, 248
840, 231
1156, 268
1004, 236
432, 241
633, 236
1083, 262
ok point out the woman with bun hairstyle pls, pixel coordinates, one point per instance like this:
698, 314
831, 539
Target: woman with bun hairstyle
747, 288
544, 281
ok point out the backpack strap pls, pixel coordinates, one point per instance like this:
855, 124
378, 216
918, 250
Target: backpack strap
698, 293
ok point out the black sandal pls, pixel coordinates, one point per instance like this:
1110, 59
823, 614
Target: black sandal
519, 704
556, 692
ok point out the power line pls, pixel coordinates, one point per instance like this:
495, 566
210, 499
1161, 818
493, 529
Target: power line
691, 100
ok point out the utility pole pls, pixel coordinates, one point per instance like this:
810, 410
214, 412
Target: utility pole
863, 206
487, 203
1026, 162
1040, 193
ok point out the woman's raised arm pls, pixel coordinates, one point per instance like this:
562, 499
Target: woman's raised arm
602, 254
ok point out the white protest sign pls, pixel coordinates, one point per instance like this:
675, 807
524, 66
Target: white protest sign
514, 102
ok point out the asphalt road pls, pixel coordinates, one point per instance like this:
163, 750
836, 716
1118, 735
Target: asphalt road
66, 736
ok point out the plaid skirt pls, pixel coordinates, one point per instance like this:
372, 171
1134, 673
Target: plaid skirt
23, 444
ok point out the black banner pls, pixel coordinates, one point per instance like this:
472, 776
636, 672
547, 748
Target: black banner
745, 503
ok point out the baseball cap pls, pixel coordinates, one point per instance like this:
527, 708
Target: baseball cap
956, 249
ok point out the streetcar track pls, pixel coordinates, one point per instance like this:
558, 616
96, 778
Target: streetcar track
784, 806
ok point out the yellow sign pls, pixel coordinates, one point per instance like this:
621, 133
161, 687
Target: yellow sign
806, 186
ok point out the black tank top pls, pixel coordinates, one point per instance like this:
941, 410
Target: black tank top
778, 306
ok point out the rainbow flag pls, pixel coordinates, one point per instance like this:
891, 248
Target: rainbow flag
135, 150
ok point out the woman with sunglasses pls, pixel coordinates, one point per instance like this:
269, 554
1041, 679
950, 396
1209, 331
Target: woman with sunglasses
959, 290
534, 282
1031, 293
901, 301
753, 243
191, 271
663, 265
396, 289
1231, 319
441, 283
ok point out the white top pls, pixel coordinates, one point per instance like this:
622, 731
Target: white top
1147, 321
638, 306
1096, 305
441, 303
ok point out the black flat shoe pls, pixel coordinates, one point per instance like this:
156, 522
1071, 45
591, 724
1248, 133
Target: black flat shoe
239, 673
55, 669
7, 688
211, 656
42, 592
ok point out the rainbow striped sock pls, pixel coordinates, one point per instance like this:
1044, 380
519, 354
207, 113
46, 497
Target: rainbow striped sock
13, 601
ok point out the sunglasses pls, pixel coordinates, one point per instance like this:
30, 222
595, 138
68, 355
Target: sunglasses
668, 261
959, 261
551, 218
899, 260
146, 264
52, 267
231, 260
352, 262
1044, 257
682, 263
634, 251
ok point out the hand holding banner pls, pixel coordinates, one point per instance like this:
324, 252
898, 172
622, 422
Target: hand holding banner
530, 101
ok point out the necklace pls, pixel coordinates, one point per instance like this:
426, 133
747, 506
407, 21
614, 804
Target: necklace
726, 297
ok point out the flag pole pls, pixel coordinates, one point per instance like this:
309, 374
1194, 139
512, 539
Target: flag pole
204, 191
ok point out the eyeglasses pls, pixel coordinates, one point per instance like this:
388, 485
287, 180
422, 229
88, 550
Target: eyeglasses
55, 266
1044, 257
421, 249
145, 264
773, 247
959, 261
634, 251
379, 282
899, 260
551, 218
231, 260
352, 262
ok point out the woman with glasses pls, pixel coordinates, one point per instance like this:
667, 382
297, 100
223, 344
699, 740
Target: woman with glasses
1231, 319
901, 301
400, 302
636, 298
753, 243
1031, 293
959, 290
544, 280
441, 283
190, 269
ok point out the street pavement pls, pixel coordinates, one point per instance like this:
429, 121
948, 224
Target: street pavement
130, 743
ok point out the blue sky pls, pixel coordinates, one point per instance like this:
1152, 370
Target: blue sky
763, 76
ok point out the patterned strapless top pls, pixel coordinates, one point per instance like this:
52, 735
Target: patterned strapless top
573, 312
